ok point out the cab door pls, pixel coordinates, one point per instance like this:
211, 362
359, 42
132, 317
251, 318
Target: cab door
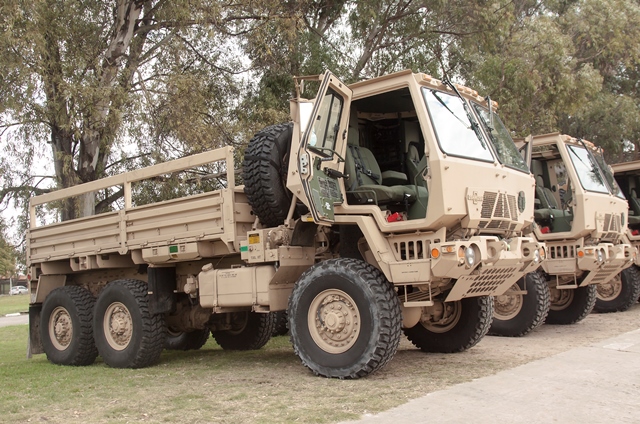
323, 139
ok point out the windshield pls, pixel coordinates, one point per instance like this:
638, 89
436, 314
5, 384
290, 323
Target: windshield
587, 169
456, 136
608, 175
503, 143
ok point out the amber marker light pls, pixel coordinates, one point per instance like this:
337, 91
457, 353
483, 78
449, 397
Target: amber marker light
580, 254
448, 249
435, 253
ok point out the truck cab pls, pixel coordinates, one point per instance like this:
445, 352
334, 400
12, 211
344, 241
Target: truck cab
429, 175
581, 215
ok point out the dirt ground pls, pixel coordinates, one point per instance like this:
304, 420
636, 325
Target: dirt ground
551, 339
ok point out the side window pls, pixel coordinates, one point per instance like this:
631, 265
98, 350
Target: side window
559, 170
325, 129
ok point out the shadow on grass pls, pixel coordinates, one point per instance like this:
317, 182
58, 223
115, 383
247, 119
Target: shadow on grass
215, 354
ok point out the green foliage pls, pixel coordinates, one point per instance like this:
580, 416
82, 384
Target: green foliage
8, 255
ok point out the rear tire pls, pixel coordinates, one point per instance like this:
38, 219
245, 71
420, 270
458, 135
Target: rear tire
571, 305
127, 335
468, 322
620, 293
65, 327
281, 326
252, 330
264, 173
344, 319
186, 340
517, 315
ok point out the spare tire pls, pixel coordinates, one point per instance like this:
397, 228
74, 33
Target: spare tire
264, 172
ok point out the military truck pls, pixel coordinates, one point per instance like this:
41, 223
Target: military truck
580, 214
621, 293
383, 207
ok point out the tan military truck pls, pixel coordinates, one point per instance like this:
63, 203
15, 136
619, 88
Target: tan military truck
580, 215
384, 206
622, 292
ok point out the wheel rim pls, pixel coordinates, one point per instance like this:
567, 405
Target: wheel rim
118, 326
60, 328
507, 306
610, 290
561, 299
239, 322
445, 317
334, 321
173, 333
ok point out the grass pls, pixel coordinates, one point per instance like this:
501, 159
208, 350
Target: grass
268, 385
13, 304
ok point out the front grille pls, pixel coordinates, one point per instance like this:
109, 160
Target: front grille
488, 202
612, 223
561, 252
498, 205
411, 249
607, 221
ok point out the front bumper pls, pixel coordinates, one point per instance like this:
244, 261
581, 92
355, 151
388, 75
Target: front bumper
598, 263
497, 265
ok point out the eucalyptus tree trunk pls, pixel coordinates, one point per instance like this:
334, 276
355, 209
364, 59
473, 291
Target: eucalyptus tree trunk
79, 157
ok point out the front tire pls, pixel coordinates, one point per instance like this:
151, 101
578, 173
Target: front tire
127, 335
65, 327
517, 315
251, 331
462, 325
344, 319
619, 293
571, 305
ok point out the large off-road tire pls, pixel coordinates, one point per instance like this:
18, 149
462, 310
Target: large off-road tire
126, 334
186, 340
251, 331
517, 315
569, 306
281, 326
264, 173
464, 324
344, 319
619, 293
65, 327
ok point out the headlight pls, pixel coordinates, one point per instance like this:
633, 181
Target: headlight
600, 255
470, 256
536, 256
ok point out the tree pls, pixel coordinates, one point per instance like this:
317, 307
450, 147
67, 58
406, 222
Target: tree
7, 255
83, 77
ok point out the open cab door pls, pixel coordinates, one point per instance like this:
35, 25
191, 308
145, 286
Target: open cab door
324, 136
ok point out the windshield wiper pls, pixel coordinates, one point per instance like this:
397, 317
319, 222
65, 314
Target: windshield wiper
490, 123
472, 122
447, 107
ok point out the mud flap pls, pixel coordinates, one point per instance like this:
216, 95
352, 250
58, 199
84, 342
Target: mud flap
162, 283
34, 346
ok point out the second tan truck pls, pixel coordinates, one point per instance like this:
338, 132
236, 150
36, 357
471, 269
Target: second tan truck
581, 215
